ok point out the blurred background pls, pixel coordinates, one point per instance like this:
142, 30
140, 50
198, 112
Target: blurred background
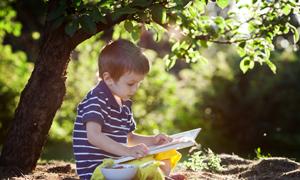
237, 112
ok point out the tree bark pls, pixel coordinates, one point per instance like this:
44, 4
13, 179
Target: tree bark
39, 101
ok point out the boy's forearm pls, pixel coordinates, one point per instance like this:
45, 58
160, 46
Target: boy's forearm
107, 144
137, 138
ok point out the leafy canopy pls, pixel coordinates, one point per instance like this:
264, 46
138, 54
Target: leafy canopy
250, 25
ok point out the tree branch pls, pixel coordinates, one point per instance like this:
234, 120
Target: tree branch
81, 35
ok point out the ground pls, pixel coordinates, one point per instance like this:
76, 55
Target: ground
234, 167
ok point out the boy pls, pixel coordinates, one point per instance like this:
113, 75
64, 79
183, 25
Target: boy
104, 125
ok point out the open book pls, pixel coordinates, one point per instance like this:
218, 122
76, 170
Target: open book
181, 140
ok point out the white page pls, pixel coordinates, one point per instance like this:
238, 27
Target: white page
181, 140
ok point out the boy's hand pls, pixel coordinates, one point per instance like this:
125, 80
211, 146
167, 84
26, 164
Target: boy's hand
162, 139
138, 151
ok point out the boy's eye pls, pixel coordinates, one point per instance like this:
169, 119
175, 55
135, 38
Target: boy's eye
130, 84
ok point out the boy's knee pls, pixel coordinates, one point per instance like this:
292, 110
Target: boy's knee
166, 167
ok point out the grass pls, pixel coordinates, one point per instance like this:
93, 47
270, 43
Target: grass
203, 159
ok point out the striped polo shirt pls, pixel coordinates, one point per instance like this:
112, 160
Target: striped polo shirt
116, 121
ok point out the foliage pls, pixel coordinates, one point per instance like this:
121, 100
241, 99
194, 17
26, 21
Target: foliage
264, 22
7, 23
203, 160
259, 154
14, 69
154, 104
14, 72
252, 33
256, 109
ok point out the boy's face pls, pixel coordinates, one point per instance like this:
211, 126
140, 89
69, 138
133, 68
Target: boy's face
126, 86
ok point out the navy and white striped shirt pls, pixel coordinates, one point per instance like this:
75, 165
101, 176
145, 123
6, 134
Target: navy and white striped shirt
99, 106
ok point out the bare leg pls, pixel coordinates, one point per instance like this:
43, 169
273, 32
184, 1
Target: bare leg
166, 168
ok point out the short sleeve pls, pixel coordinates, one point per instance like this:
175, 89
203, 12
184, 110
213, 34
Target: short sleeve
132, 124
92, 110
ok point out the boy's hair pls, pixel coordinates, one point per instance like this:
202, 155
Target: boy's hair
122, 56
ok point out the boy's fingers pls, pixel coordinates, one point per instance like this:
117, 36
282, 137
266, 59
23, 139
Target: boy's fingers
144, 147
140, 154
164, 139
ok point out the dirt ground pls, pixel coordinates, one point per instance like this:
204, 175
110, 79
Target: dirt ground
234, 168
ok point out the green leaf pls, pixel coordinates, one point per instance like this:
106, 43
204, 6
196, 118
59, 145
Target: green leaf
271, 66
222, 3
156, 36
72, 27
203, 43
128, 26
76, 3
135, 35
136, 32
97, 16
141, 3
159, 14
252, 27
200, 6
251, 64
220, 22
242, 44
123, 11
245, 64
287, 9
170, 61
295, 33
175, 46
241, 51
88, 24
286, 29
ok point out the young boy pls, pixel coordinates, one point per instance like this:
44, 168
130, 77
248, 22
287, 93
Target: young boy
104, 125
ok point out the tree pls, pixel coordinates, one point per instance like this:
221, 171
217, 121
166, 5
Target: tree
68, 23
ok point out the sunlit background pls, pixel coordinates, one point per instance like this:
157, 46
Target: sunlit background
237, 112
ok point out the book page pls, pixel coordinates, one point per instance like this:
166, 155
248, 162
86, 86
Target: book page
180, 141
180, 138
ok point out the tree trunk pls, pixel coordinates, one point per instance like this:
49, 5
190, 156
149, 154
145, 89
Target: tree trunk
39, 101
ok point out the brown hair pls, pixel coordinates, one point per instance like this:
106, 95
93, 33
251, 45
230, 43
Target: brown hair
122, 56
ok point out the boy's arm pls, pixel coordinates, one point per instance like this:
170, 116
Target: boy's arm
100, 140
134, 138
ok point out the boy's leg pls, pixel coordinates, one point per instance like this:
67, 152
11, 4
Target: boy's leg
170, 160
166, 167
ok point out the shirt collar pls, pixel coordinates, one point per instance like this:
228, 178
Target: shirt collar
102, 86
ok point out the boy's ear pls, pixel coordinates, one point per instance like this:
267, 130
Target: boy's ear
107, 78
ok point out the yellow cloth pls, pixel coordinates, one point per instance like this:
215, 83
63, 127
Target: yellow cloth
97, 174
148, 166
172, 155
